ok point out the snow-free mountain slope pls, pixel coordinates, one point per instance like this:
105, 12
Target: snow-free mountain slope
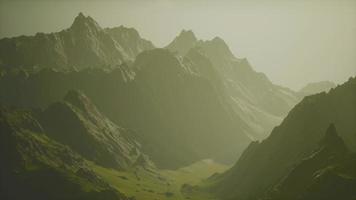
34, 166
328, 173
259, 102
290, 142
85, 44
77, 122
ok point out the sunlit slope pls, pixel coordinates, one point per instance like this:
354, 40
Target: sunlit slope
258, 102
87, 157
83, 45
162, 184
36, 167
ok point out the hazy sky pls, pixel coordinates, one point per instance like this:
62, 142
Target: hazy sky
293, 42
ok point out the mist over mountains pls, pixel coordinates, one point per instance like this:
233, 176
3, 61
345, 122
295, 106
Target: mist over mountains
161, 95
101, 113
84, 44
258, 101
295, 139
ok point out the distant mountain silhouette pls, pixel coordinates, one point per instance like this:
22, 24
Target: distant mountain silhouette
85, 44
317, 87
264, 164
256, 100
183, 42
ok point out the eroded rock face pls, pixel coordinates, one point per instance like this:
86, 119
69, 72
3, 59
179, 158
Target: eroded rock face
258, 102
77, 122
85, 44
168, 104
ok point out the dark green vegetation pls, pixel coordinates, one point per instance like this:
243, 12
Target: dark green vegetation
93, 113
35, 166
279, 158
71, 151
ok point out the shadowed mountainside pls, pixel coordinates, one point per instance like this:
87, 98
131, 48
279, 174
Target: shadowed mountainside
328, 173
34, 166
170, 107
76, 122
290, 142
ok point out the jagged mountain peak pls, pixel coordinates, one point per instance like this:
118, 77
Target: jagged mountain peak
218, 46
81, 22
83, 45
332, 139
301, 133
313, 171
183, 42
218, 40
188, 35
331, 133
80, 16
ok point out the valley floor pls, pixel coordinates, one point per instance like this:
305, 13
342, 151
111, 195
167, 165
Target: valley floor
143, 184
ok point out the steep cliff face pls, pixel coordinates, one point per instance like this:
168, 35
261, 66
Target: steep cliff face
183, 42
297, 136
76, 122
85, 44
257, 101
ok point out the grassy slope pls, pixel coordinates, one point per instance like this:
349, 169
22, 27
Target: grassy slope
164, 184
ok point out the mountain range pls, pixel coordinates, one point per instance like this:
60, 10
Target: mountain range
295, 139
84, 44
101, 113
165, 97
258, 102
328, 173
46, 159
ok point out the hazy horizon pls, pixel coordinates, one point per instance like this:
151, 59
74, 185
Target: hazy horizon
293, 43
